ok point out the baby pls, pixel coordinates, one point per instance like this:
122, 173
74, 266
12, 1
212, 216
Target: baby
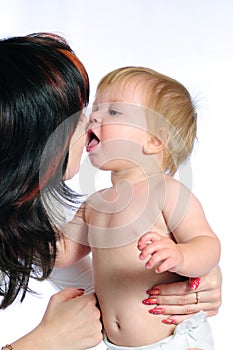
142, 128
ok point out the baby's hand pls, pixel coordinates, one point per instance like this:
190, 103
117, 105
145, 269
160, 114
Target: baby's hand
165, 254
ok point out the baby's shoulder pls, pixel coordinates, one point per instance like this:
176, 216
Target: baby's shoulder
99, 199
174, 186
100, 195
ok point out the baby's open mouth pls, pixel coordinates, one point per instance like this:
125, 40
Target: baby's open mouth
92, 141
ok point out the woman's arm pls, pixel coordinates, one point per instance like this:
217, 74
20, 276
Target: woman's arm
71, 322
180, 301
73, 245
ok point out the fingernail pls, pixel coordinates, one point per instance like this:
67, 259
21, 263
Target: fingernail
194, 283
157, 311
150, 301
169, 321
82, 290
153, 291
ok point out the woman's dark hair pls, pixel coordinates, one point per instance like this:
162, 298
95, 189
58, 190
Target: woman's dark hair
43, 86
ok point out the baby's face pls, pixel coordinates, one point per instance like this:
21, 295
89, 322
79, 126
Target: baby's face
117, 125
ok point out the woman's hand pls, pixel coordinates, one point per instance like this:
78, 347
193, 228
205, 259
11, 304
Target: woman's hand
180, 301
71, 322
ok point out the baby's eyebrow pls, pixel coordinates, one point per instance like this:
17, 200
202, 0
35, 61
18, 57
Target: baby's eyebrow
109, 99
117, 100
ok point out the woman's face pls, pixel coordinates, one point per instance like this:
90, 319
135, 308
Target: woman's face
77, 144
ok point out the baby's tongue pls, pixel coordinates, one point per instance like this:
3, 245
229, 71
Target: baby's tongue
93, 143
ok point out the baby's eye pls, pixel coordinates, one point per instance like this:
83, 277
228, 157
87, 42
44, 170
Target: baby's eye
113, 112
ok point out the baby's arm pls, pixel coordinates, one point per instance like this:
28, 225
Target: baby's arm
73, 246
197, 248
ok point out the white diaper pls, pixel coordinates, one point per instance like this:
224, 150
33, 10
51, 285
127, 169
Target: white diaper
194, 332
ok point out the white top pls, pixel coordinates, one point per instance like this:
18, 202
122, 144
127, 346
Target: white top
79, 275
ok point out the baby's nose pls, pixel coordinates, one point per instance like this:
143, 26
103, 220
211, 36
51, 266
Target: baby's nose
95, 117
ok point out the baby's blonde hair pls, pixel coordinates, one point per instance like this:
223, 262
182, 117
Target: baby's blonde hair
170, 100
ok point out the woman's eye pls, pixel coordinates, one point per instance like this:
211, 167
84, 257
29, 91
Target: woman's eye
113, 112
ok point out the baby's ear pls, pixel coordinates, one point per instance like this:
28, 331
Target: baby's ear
156, 144
153, 145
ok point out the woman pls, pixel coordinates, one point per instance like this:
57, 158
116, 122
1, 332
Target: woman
43, 88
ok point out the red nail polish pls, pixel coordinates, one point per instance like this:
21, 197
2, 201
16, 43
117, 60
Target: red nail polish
194, 283
169, 321
81, 290
156, 311
150, 301
153, 291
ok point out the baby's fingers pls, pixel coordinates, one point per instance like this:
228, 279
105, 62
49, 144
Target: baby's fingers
148, 238
162, 257
166, 265
151, 249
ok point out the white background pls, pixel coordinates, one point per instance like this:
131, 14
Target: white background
191, 41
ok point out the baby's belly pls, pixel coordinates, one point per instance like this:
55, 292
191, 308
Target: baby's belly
134, 326
126, 320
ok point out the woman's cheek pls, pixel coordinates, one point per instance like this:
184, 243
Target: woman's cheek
75, 153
